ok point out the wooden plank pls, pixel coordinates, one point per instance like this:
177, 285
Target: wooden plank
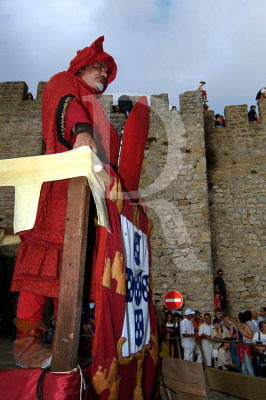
185, 378
66, 340
9, 240
236, 384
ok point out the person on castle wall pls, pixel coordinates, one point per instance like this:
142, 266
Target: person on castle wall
223, 120
71, 117
219, 287
252, 115
205, 107
261, 94
115, 109
29, 96
218, 121
173, 109
217, 302
203, 92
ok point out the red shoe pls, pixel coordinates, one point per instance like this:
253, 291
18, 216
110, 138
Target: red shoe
29, 351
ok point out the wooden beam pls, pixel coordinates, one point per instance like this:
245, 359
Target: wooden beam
9, 240
66, 340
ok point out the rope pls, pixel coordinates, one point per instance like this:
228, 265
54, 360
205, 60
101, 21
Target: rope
248, 343
39, 386
83, 385
167, 387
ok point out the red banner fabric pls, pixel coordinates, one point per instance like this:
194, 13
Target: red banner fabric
125, 346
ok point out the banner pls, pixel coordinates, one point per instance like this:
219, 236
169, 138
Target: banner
136, 328
125, 347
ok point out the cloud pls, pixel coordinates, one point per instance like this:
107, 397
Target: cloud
159, 45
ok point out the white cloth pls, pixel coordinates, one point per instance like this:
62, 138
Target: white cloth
224, 358
207, 345
188, 344
169, 325
27, 174
260, 336
256, 324
253, 326
186, 327
199, 87
136, 328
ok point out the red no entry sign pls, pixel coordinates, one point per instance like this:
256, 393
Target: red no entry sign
173, 300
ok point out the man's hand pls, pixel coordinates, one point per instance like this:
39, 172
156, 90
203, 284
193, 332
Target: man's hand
85, 139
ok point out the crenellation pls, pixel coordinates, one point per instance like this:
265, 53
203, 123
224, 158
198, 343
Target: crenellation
191, 101
118, 121
236, 116
209, 120
12, 91
160, 102
40, 90
262, 111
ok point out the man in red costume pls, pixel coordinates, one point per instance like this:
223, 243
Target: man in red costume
72, 117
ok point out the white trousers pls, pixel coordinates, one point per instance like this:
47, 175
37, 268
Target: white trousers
188, 345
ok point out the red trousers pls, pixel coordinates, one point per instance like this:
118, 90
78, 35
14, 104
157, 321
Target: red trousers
31, 306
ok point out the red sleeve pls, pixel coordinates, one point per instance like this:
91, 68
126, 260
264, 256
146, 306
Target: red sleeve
75, 113
69, 112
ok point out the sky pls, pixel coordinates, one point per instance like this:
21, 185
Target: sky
160, 46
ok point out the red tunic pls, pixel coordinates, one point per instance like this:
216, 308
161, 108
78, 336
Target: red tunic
67, 100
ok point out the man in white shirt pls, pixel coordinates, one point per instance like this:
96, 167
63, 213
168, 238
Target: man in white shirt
262, 314
187, 335
254, 316
205, 334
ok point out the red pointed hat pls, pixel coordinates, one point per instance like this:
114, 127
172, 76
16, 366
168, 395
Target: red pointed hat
92, 54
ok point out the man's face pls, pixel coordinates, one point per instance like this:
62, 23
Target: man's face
189, 316
95, 75
226, 346
216, 325
254, 314
197, 317
207, 319
220, 274
262, 312
218, 314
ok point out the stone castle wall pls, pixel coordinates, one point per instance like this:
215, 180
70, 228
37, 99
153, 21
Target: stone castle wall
203, 221
20, 136
236, 172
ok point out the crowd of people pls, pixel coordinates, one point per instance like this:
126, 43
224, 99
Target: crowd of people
217, 342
